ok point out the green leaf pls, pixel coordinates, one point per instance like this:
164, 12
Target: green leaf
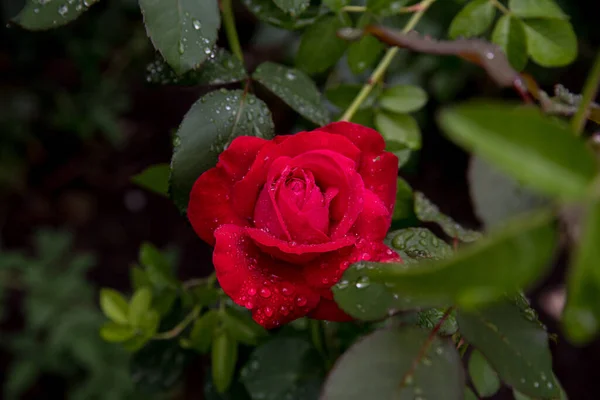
292, 7
158, 268
295, 88
536, 150
113, 332
114, 306
469, 395
398, 130
139, 278
320, 48
154, 178
242, 327
581, 317
385, 7
484, 378
403, 98
428, 319
283, 368
477, 274
497, 197
509, 34
207, 128
418, 244
382, 366
536, 9
20, 376
202, 332
184, 31
139, 306
224, 358
514, 343
205, 296
342, 96
41, 15
158, 368
335, 5
473, 20
366, 51
426, 211
220, 68
267, 11
403, 209
551, 42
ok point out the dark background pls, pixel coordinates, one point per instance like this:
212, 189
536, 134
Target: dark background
68, 163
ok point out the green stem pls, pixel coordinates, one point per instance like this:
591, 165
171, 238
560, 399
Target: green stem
500, 7
354, 8
590, 89
230, 29
385, 62
170, 334
316, 335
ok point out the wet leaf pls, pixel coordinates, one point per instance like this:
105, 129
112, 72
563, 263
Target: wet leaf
207, 128
418, 244
320, 48
403, 98
292, 7
540, 152
551, 42
45, 14
473, 20
221, 67
484, 378
428, 319
365, 52
267, 11
380, 366
154, 178
283, 368
426, 211
509, 34
295, 88
184, 31
514, 343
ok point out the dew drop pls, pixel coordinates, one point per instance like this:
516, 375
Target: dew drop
249, 305
181, 48
301, 301
264, 292
287, 291
268, 311
536, 384
251, 291
363, 282
197, 25
63, 10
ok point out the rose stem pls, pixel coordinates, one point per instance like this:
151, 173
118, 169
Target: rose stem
590, 89
385, 62
230, 29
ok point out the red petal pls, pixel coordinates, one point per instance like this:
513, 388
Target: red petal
274, 290
366, 139
380, 175
328, 269
328, 310
374, 220
239, 156
296, 253
209, 205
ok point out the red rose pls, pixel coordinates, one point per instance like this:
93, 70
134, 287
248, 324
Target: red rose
289, 215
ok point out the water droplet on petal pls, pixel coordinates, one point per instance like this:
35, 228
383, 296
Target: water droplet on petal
264, 292
249, 305
301, 301
268, 311
251, 291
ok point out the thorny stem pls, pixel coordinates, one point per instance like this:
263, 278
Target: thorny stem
385, 62
170, 334
500, 7
425, 346
590, 90
230, 29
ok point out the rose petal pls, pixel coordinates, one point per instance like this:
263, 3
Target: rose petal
366, 139
274, 290
328, 310
374, 220
239, 156
292, 252
267, 216
210, 205
380, 175
327, 270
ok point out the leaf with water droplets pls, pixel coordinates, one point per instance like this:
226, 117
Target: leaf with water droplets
506, 260
400, 364
292, 7
426, 211
220, 68
418, 244
46, 14
267, 11
295, 88
184, 31
208, 127
154, 178
284, 368
515, 345
320, 47
582, 312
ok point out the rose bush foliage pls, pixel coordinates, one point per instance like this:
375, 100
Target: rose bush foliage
288, 216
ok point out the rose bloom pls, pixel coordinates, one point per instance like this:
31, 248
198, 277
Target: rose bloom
288, 216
